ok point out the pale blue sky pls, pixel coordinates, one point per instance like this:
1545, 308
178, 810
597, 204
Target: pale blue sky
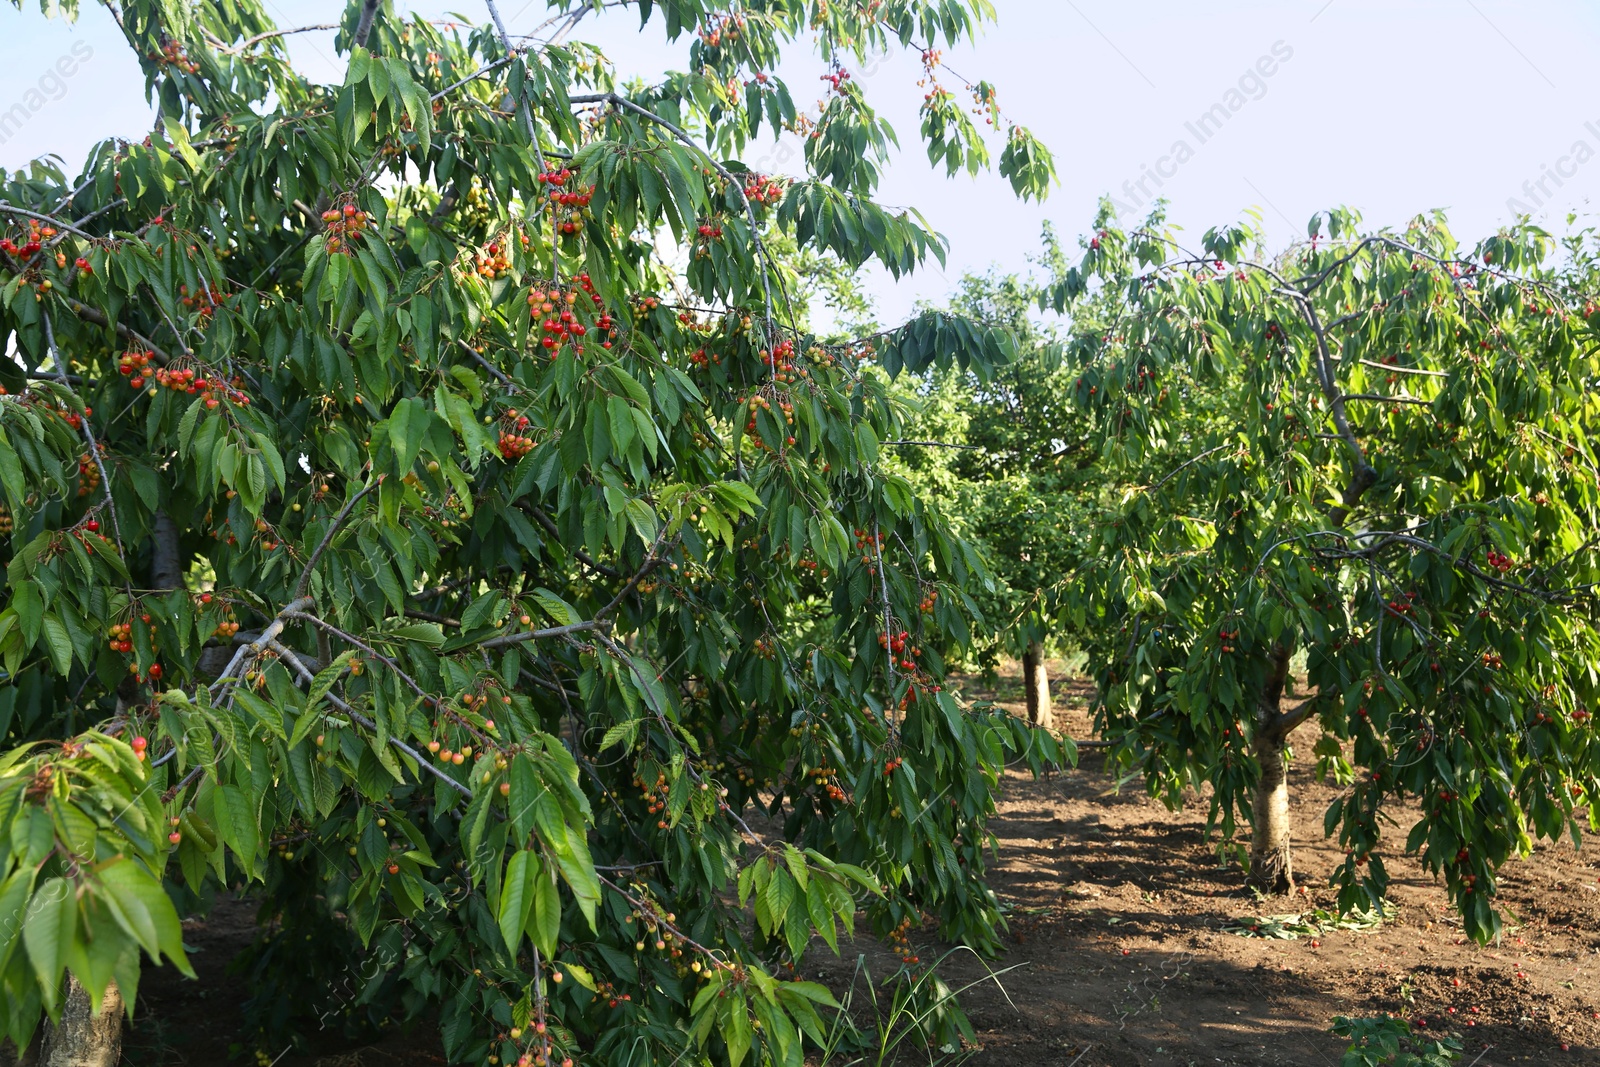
1392, 106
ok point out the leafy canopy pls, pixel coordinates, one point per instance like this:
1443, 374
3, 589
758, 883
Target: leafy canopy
422, 504
1375, 452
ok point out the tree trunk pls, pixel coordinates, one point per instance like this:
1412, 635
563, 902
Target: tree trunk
166, 558
1271, 864
1036, 682
83, 1038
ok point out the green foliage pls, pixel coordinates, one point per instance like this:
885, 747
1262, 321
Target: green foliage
1009, 452
1381, 1042
1375, 452
418, 549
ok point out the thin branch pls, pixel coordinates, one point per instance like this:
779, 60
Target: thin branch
304, 583
258, 38
352, 639
540, 635
88, 435
579, 554
487, 68
355, 716
1189, 463
1379, 398
1403, 370
10, 209
930, 444
501, 375
428, 616
98, 318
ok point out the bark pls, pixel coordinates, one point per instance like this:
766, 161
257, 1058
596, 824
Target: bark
1271, 862
83, 1038
1036, 682
166, 559
364, 27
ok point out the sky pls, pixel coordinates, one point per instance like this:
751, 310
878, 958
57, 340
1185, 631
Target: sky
1483, 108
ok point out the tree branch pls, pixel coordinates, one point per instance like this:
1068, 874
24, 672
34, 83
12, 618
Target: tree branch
1403, 370
304, 583
258, 38
369, 9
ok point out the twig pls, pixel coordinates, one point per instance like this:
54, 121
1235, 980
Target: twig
304, 583
352, 639
88, 435
485, 364
355, 716
10, 209
1403, 370
1402, 399
258, 38
540, 635
579, 554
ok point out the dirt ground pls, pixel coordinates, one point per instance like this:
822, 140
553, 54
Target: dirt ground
1118, 913
1119, 908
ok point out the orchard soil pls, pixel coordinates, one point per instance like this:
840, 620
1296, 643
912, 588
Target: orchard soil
1121, 958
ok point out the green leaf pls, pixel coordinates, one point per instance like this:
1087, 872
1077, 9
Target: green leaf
516, 896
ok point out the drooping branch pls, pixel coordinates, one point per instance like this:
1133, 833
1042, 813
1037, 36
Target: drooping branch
98, 318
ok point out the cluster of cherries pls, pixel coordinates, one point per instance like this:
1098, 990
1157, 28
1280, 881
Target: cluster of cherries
891, 766
512, 444
760, 189
836, 79
759, 401
561, 322
655, 796
1228, 637
573, 201
781, 362
133, 366
708, 233
343, 226
172, 54
228, 626
7, 523
908, 658
208, 299
1499, 562
929, 599
88, 472
28, 248
701, 358
187, 380
119, 638
725, 29
493, 262
900, 941
865, 540
827, 779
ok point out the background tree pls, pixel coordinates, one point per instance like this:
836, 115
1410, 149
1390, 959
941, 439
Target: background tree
1373, 451
389, 528
1017, 464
